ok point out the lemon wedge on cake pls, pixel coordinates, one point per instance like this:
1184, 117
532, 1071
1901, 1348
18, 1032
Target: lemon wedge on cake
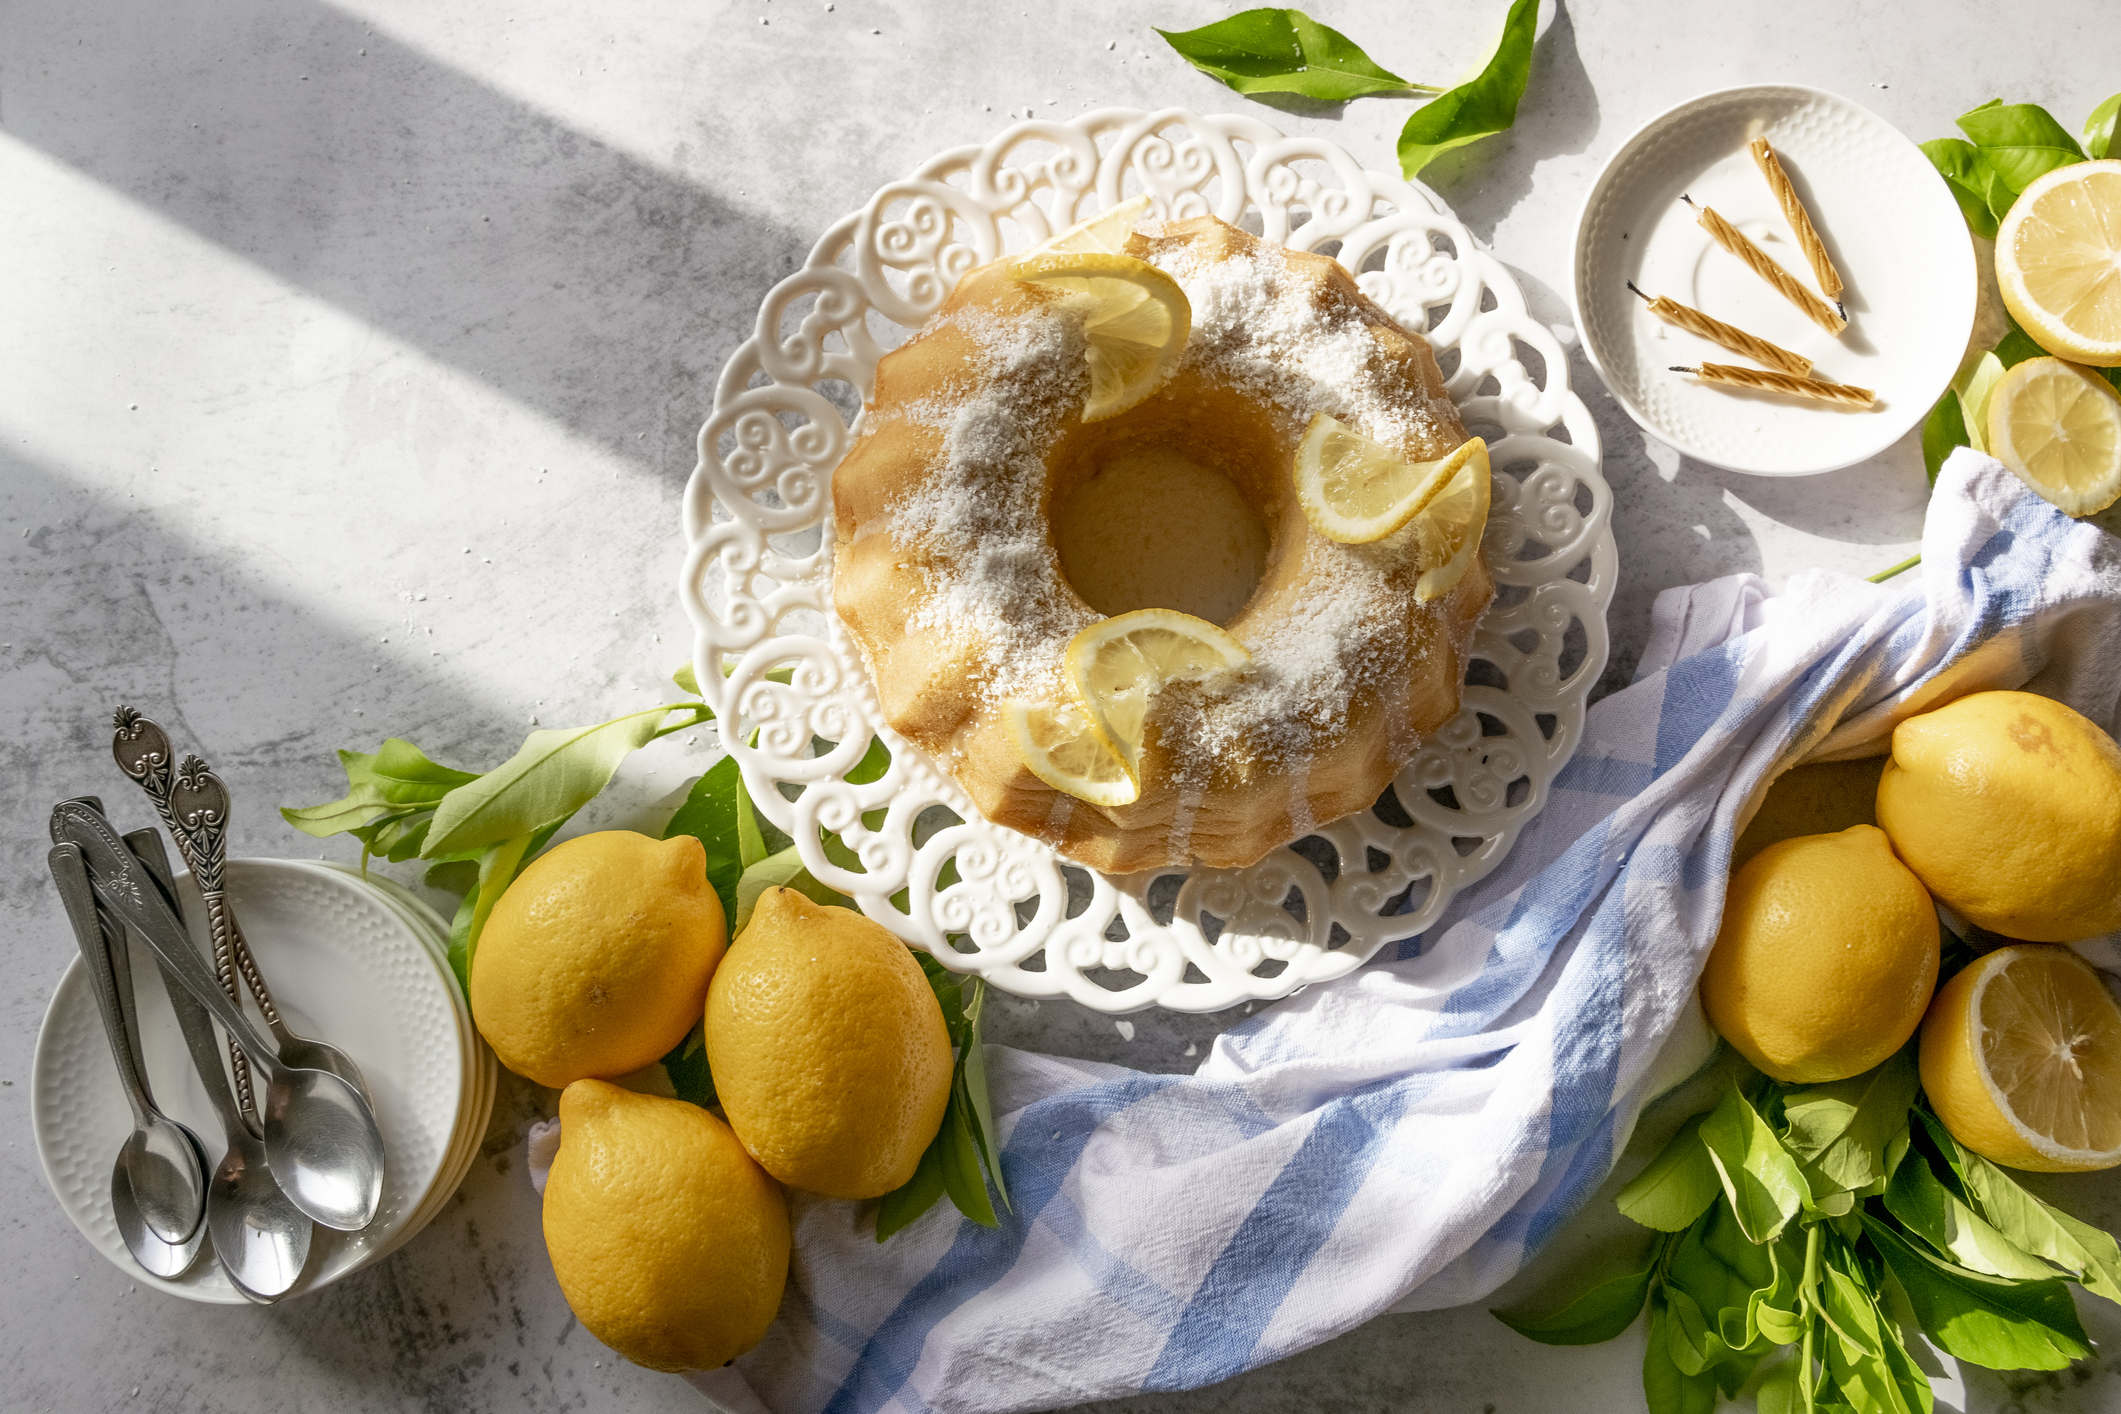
2058, 427
1135, 317
1449, 527
2058, 262
1117, 665
1060, 746
1105, 233
1357, 491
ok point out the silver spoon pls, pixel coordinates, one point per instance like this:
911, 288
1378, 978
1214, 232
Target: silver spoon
320, 1136
195, 811
160, 1159
261, 1239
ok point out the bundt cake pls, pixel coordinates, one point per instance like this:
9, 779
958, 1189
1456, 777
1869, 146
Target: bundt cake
981, 524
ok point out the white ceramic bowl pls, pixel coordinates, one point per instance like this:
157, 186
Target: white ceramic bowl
1888, 222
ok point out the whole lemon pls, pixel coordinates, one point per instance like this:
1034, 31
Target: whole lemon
828, 1048
2021, 1057
670, 1244
1826, 958
2008, 806
596, 961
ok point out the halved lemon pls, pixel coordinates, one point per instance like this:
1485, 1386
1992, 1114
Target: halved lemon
2021, 1058
1450, 526
2058, 262
1061, 748
1135, 316
1116, 666
1355, 490
1105, 232
2058, 427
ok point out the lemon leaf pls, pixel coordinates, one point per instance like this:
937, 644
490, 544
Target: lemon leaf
2099, 129
1926, 1208
1284, 51
962, 1177
917, 1195
1677, 1187
713, 813
1971, 180
498, 867
2022, 141
1598, 1314
777, 871
687, 679
1480, 107
1984, 1320
686, 1065
1942, 431
1759, 1177
972, 1076
1843, 1128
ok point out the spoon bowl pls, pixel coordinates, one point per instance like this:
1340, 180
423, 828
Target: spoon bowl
262, 1238
322, 1142
165, 1177
168, 1260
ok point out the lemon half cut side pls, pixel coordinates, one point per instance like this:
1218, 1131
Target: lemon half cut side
2058, 262
2058, 427
1356, 491
1135, 318
1117, 666
2021, 1057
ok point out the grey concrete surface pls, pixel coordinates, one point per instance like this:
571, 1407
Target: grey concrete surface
351, 356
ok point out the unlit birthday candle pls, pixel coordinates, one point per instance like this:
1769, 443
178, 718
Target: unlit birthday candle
1737, 243
1726, 335
1794, 212
1763, 381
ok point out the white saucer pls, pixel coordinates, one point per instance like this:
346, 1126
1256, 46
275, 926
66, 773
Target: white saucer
347, 964
1893, 231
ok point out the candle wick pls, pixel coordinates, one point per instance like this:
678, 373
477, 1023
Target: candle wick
1631, 285
1843, 310
1682, 368
1685, 198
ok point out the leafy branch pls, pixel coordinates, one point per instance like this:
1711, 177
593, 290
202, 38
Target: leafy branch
1277, 50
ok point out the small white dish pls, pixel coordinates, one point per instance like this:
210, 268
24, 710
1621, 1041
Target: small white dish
345, 964
1888, 222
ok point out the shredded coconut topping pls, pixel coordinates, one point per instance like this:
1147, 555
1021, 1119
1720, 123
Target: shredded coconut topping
994, 576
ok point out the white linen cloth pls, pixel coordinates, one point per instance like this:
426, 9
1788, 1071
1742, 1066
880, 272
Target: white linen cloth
1405, 1137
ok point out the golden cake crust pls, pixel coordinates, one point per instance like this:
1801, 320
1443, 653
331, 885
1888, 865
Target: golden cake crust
1344, 692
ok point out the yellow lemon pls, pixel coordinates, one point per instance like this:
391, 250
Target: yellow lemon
828, 1048
1105, 233
2021, 1058
1355, 491
2008, 806
1826, 958
670, 1244
2058, 428
1062, 748
596, 960
1117, 665
1135, 317
1449, 528
2058, 262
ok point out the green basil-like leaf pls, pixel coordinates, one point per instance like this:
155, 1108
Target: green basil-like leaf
1688, 1339
1777, 1393
1841, 1129
497, 870
686, 1065
360, 806
1598, 1315
1935, 1214
1968, 177
1974, 398
554, 774
1759, 1177
1283, 51
777, 871
916, 1196
750, 840
2022, 141
962, 1179
2033, 1226
406, 777
456, 876
1987, 1321
875, 761
687, 679
397, 837
972, 1078
1677, 1187
1665, 1388
710, 815
1484, 105
1942, 431
2099, 130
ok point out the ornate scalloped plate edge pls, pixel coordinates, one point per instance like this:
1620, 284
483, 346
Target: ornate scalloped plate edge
918, 857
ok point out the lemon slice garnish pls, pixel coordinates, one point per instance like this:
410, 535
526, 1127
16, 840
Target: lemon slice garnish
1116, 666
2058, 262
1134, 315
1105, 233
1061, 748
2059, 428
1450, 526
2021, 1056
1355, 490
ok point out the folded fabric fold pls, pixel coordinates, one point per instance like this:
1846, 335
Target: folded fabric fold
1405, 1137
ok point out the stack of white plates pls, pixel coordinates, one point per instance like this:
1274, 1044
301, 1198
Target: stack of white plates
351, 959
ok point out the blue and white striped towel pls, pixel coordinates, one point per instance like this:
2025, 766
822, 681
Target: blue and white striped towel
1406, 1137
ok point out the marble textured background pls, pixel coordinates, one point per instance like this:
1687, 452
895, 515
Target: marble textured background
350, 360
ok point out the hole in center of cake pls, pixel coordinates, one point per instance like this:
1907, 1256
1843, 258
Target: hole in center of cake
1154, 529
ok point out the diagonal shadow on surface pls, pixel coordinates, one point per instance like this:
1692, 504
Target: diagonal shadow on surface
584, 283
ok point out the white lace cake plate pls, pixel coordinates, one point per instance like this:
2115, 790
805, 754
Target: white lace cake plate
799, 715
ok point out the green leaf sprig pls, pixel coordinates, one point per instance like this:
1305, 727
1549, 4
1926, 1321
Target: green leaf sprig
1786, 1217
2007, 147
1286, 51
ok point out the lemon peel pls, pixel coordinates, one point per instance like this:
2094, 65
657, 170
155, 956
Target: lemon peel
1135, 318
